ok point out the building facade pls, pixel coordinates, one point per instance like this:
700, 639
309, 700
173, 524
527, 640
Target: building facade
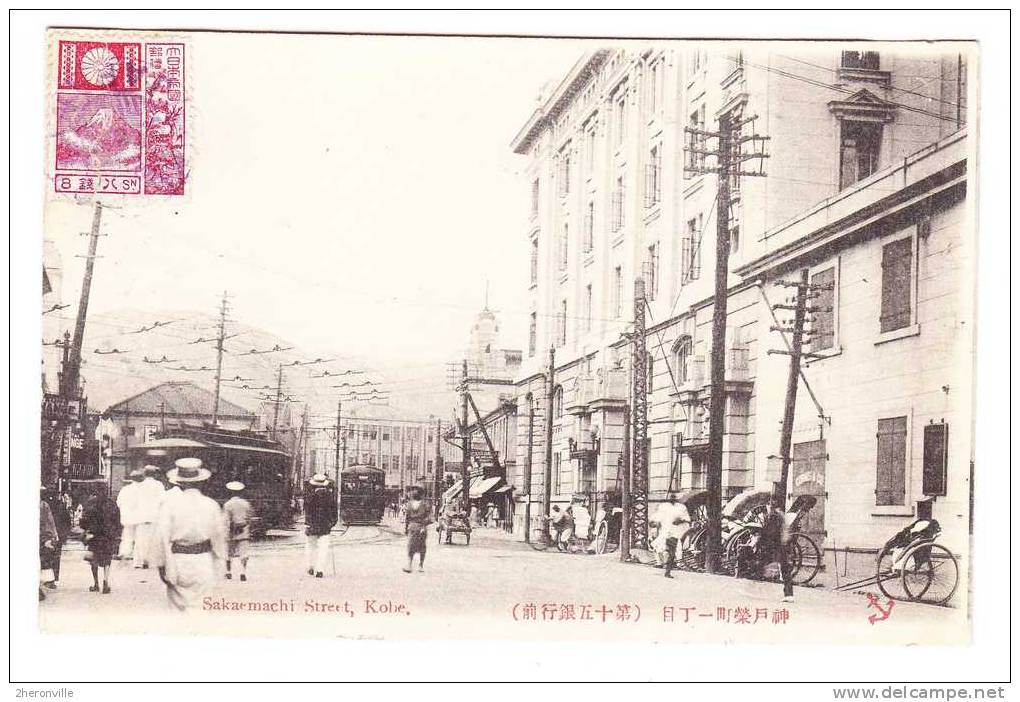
136, 419
403, 447
612, 201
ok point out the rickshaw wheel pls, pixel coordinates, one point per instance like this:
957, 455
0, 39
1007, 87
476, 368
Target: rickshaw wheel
930, 573
889, 582
808, 559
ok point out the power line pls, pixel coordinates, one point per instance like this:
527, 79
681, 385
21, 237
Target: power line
890, 86
836, 88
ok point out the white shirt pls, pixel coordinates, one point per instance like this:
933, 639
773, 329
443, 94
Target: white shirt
189, 518
149, 495
667, 514
127, 503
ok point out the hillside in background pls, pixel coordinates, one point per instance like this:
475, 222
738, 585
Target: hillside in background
128, 351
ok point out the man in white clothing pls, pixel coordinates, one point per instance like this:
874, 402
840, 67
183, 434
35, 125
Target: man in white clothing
673, 520
148, 497
127, 503
191, 540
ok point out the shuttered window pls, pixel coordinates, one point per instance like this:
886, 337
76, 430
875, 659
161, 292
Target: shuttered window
890, 469
823, 330
897, 267
936, 451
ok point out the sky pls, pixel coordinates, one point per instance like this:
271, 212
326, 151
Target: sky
353, 194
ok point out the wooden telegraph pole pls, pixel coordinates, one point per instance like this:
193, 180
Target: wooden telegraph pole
279, 395
219, 358
72, 370
465, 441
339, 439
795, 350
437, 465
729, 156
550, 387
528, 458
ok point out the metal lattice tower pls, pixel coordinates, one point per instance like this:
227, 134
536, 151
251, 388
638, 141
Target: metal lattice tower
639, 417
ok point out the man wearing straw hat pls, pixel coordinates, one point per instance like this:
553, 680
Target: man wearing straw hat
320, 518
191, 537
238, 513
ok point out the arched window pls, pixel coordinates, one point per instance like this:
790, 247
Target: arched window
558, 402
682, 358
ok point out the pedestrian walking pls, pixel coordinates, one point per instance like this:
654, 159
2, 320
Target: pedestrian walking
47, 539
320, 518
148, 497
191, 537
101, 522
673, 521
238, 513
418, 518
127, 503
490, 515
62, 522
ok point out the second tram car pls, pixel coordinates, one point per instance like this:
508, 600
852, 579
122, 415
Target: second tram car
261, 464
362, 495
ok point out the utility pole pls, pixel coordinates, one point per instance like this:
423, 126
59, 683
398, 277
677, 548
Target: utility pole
336, 457
219, 358
729, 157
437, 463
299, 455
279, 395
639, 421
795, 350
625, 496
72, 370
550, 386
403, 457
527, 467
465, 438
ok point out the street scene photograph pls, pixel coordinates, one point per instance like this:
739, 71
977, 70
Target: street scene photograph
525, 339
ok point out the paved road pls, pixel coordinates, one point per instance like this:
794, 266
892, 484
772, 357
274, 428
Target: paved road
494, 588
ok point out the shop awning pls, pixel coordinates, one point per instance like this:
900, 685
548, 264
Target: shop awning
452, 491
480, 486
505, 488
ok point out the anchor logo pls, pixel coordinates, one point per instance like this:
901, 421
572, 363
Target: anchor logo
883, 614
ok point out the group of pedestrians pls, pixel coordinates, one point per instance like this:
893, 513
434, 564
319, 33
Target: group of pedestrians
488, 516
172, 526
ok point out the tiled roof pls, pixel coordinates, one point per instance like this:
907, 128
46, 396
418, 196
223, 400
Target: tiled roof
177, 398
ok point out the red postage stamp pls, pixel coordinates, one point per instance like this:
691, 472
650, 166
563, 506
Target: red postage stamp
120, 118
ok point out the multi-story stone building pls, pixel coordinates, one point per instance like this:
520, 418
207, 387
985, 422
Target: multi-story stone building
611, 201
379, 436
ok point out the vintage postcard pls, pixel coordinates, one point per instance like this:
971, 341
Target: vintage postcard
452, 337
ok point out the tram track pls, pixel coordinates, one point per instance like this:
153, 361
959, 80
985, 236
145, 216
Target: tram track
280, 539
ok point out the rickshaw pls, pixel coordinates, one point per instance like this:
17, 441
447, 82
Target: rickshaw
912, 566
803, 554
453, 521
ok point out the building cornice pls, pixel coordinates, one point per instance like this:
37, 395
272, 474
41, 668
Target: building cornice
553, 106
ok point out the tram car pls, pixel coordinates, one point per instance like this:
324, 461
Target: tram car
362, 495
262, 464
